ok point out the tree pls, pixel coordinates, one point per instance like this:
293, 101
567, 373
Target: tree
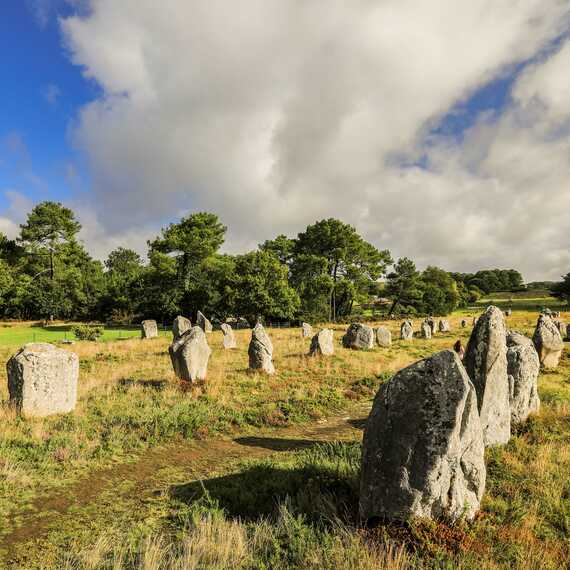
261, 288
345, 256
440, 292
282, 247
562, 290
404, 285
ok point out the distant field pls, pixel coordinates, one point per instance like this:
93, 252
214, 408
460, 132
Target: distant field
17, 334
523, 300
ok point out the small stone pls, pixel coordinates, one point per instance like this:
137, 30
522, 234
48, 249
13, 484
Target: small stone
407, 330
463, 323
508, 312
203, 322
383, 337
433, 324
423, 451
548, 342
444, 325
42, 380
261, 350
180, 326
425, 330
358, 337
523, 366
486, 363
322, 343
306, 330
189, 355
149, 329
229, 336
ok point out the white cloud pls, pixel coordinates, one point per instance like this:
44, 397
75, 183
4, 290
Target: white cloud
274, 114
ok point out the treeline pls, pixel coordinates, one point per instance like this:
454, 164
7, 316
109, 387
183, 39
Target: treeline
327, 272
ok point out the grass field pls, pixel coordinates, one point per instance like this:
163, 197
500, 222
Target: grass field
21, 333
292, 508
533, 300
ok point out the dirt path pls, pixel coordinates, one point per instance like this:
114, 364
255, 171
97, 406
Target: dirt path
202, 458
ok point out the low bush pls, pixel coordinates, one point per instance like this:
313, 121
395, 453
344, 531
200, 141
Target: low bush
87, 332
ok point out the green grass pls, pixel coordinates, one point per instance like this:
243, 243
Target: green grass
18, 335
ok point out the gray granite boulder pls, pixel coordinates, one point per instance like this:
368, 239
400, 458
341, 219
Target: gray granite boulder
423, 450
358, 337
189, 355
42, 380
180, 326
322, 344
486, 363
383, 337
203, 322
306, 330
444, 325
260, 350
548, 342
425, 330
149, 329
523, 366
407, 330
433, 324
229, 336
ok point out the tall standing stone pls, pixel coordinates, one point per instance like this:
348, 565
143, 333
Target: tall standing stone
358, 337
407, 330
486, 363
423, 451
433, 324
383, 337
180, 326
261, 350
548, 342
189, 355
306, 330
42, 380
322, 343
203, 322
149, 329
444, 325
523, 366
229, 336
425, 330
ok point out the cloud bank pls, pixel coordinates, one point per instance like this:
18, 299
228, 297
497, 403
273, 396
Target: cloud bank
275, 114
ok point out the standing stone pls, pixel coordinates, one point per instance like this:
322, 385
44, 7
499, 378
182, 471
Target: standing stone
523, 366
474, 321
190, 354
425, 330
423, 451
306, 330
383, 337
433, 324
508, 312
486, 363
260, 350
42, 379
463, 323
407, 330
548, 342
149, 329
444, 325
562, 328
203, 322
322, 343
229, 336
180, 326
359, 337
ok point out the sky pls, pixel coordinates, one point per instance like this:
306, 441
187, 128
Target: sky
440, 130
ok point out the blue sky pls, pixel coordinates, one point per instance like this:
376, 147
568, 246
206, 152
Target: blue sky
41, 92
387, 115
